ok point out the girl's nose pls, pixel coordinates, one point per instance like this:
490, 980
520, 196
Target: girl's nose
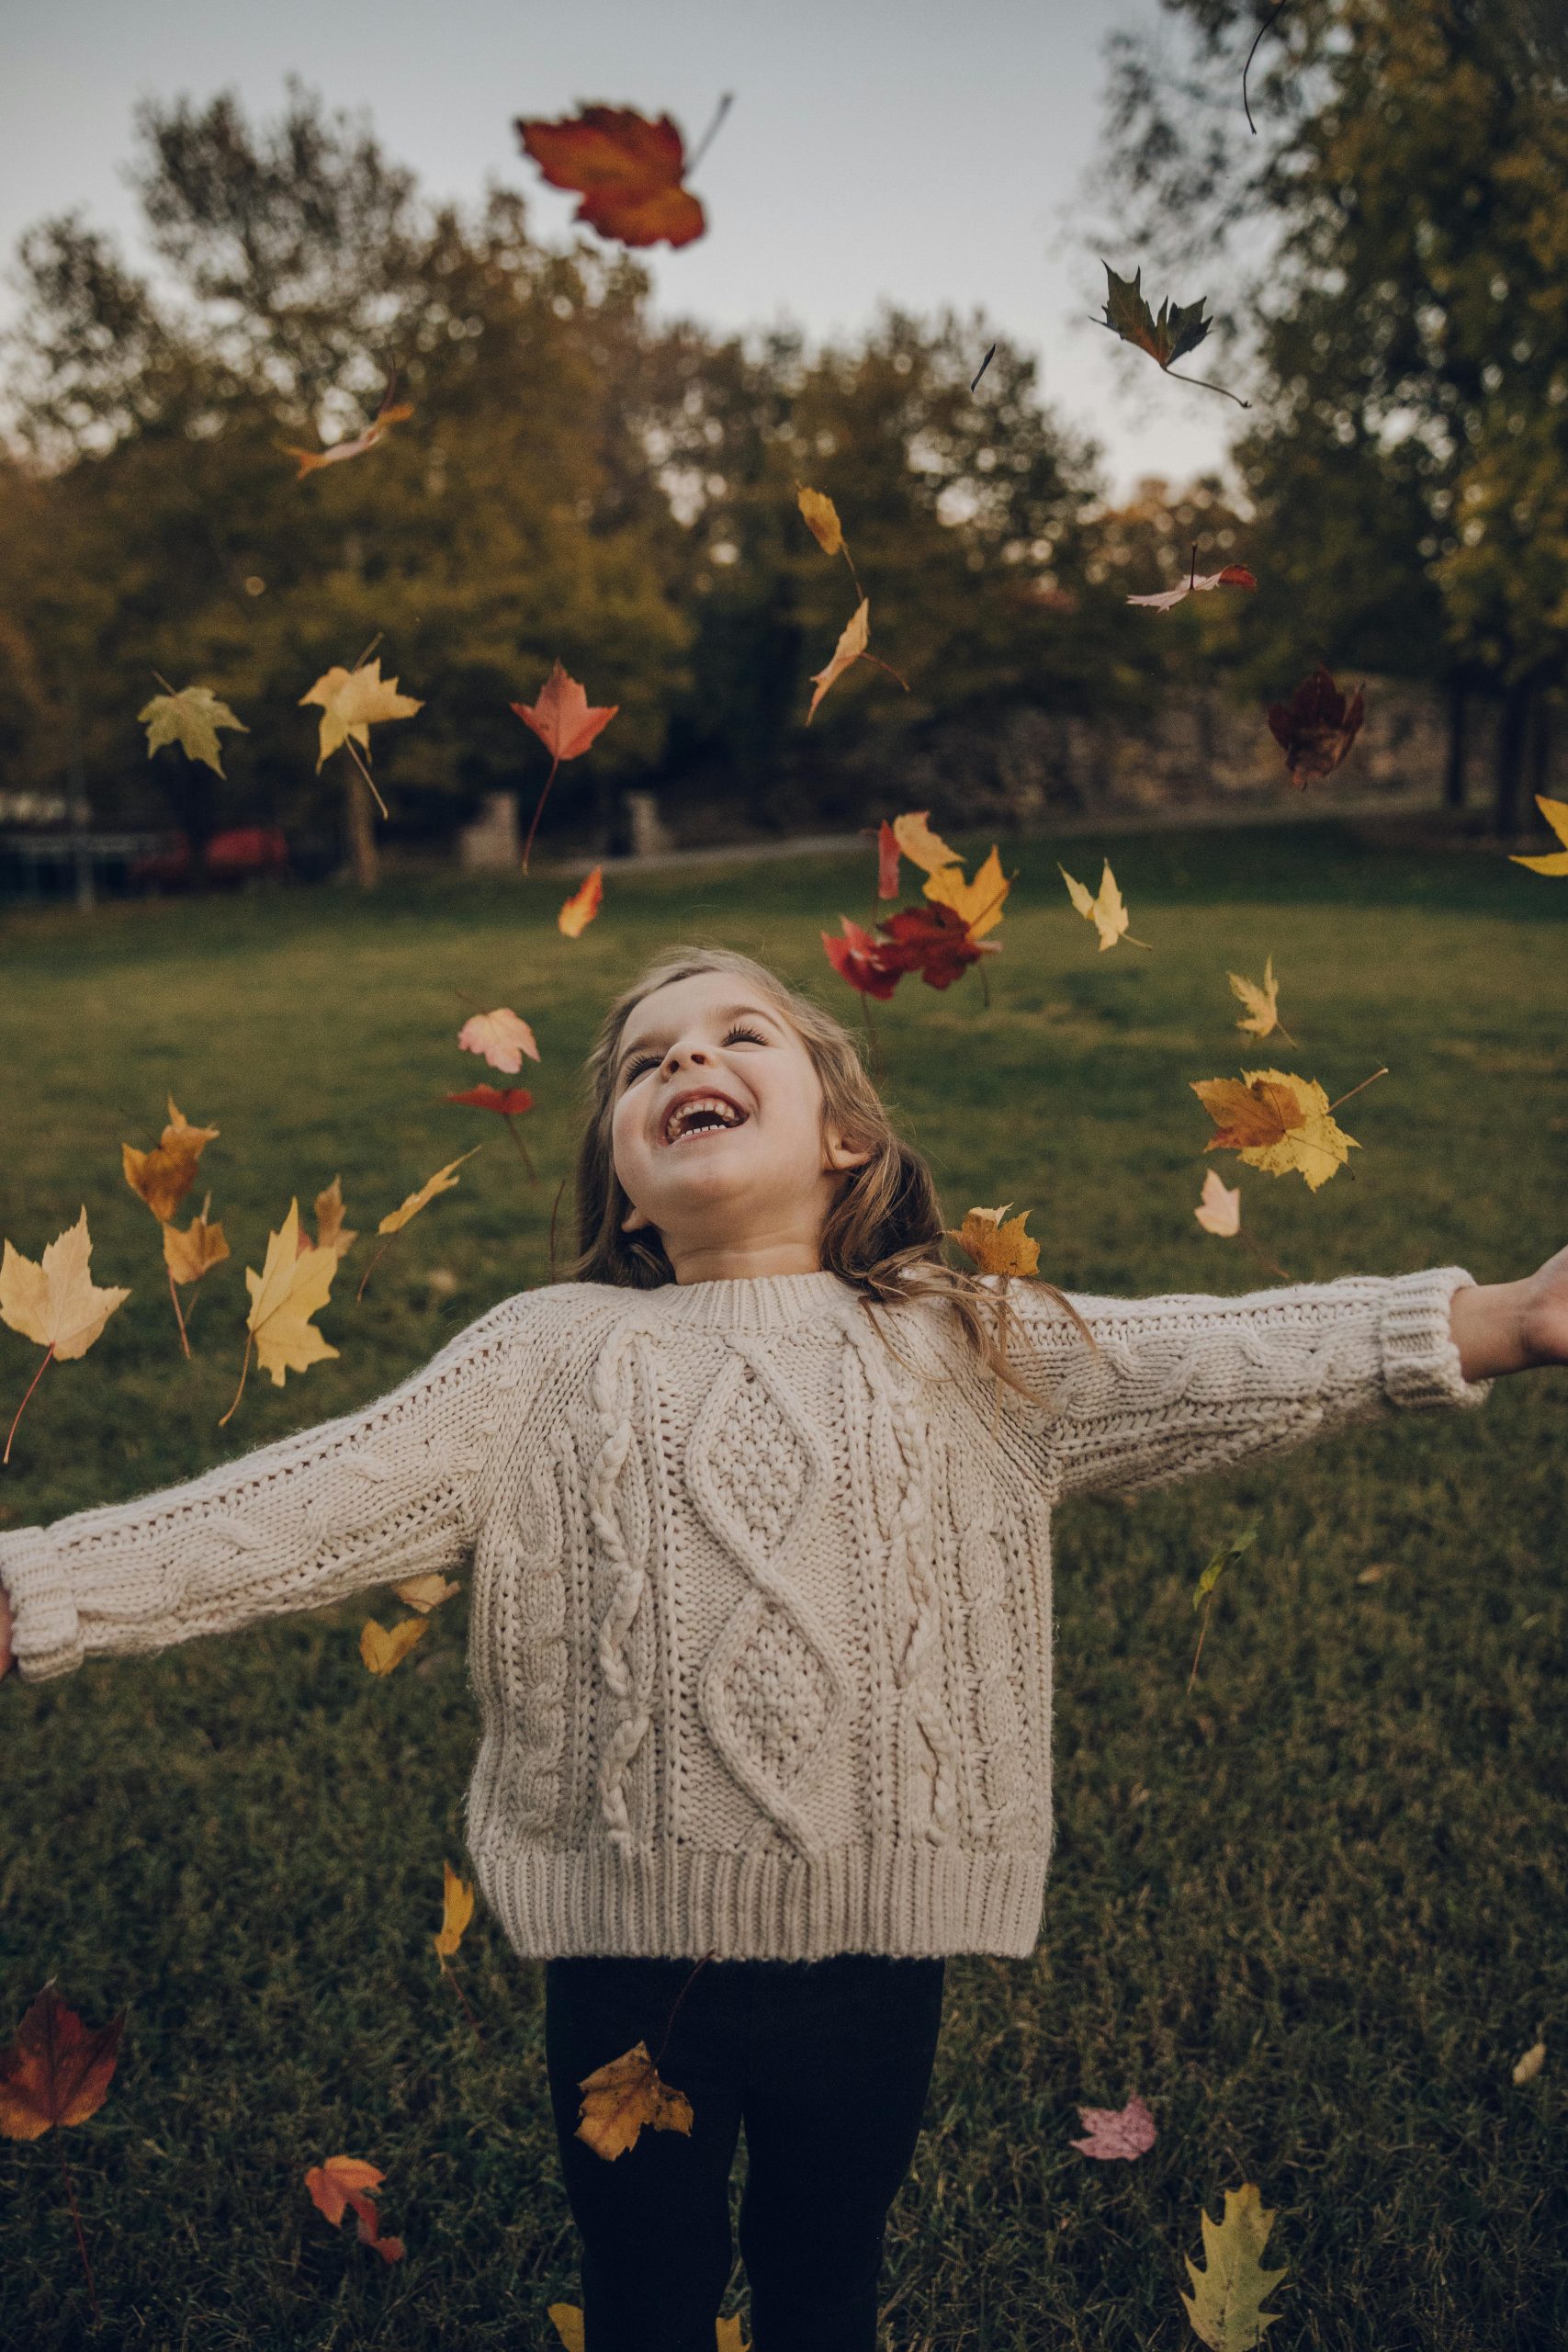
680, 1053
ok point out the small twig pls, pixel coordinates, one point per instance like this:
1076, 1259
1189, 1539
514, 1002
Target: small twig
353, 749
854, 575
1202, 1630
679, 1998
710, 134
80, 2240
1193, 576
1264, 1260
1356, 1090
244, 1367
22, 1407
982, 368
539, 810
180, 1318
1268, 26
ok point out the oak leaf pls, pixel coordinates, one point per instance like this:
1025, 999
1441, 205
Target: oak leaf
499, 1037
351, 702
427, 1592
190, 718
1554, 861
381, 423
382, 1648
56, 1303
583, 905
1105, 910
1114, 2131
626, 169
821, 519
620, 2098
1277, 1123
290, 1289
920, 845
1225, 2307
340, 2183
1219, 1210
998, 1243
456, 1910
1262, 1017
162, 1176
1317, 728
57, 2071
1234, 575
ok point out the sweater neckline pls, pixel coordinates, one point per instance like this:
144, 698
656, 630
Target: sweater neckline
751, 1302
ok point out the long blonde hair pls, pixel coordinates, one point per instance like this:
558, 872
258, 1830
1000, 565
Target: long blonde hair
883, 1233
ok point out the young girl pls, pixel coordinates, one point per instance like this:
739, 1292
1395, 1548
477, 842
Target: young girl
757, 1511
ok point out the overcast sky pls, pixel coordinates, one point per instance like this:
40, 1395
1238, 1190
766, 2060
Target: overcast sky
925, 152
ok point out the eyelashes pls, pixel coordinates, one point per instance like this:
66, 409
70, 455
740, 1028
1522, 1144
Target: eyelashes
640, 1062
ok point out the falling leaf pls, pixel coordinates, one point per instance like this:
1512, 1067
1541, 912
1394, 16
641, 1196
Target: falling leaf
382, 1649
1105, 910
978, 903
1530, 2065
619, 2099
934, 941
583, 905
428, 1593
1234, 575
1277, 1123
442, 1181
1116, 2131
56, 1304
456, 1910
1228, 1554
196, 1252
386, 416
1262, 1004
499, 1037
510, 1101
859, 958
190, 718
1317, 727
162, 1176
57, 2071
886, 861
1554, 861
626, 169
998, 1247
821, 519
566, 724
284, 1296
1226, 2305
351, 702
853, 641
340, 2183
1219, 1211
923, 847
1179, 328
330, 1231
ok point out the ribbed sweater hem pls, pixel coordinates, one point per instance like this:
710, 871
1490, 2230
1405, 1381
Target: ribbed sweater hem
918, 1900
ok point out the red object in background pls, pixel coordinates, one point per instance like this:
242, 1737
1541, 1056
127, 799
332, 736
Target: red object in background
232, 857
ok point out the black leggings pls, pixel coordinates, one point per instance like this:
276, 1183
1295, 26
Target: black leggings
827, 2063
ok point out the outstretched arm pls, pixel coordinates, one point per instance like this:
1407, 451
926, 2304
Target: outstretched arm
1178, 1386
384, 1493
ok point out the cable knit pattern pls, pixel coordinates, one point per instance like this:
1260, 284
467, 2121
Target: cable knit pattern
761, 1611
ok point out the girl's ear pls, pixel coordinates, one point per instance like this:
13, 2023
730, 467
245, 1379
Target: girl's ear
838, 1156
634, 1219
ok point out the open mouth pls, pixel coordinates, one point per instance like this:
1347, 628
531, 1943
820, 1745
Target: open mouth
699, 1115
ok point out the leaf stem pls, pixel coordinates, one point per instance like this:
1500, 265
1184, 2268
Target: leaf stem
539, 810
885, 665
710, 134
555, 1206
374, 1263
1356, 1090
528, 1161
80, 2240
1266, 26
1205, 385
353, 749
679, 1998
244, 1367
984, 365
451, 1976
180, 1318
22, 1407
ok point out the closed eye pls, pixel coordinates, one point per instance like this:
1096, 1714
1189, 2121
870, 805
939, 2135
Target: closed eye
640, 1062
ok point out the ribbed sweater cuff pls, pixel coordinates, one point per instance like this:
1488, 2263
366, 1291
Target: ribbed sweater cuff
46, 1631
1420, 1359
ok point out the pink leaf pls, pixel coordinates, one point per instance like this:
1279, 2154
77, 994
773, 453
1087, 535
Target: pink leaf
1116, 2131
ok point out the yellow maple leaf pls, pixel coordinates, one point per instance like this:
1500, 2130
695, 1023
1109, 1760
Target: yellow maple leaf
162, 1176
1226, 2304
1277, 1123
382, 1649
190, 718
623, 2095
1555, 861
923, 847
853, 640
1105, 910
425, 1593
456, 1910
330, 1231
56, 1303
1219, 1211
442, 1181
998, 1248
980, 901
196, 1252
284, 1296
351, 702
1262, 1017
821, 519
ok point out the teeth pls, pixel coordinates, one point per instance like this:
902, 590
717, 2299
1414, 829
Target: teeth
682, 1121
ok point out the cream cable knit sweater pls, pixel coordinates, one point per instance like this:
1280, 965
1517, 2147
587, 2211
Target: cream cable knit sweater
760, 1623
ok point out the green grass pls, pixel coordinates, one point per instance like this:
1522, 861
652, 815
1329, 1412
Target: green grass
1313, 1911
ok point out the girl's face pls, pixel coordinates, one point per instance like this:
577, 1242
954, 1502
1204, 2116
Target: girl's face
718, 1131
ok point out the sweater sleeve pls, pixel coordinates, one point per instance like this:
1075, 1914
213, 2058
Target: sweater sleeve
378, 1495
1191, 1383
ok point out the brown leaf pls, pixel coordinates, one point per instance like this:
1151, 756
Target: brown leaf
619, 2099
57, 2071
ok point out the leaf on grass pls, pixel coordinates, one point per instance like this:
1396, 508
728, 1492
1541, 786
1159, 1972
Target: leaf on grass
567, 2321
977, 903
1554, 861
583, 905
1114, 2131
499, 1037
1277, 1123
920, 845
1226, 2304
57, 2071
382, 1648
853, 638
563, 717
162, 1176
821, 519
190, 718
1234, 575
427, 1592
1317, 726
1262, 1004
442, 1181
340, 2183
626, 169
1228, 1554
1179, 328
290, 1289
1219, 1210
997, 1242
351, 702
619, 2099
456, 1910
56, 1303
381, 423
1105, 910
1530, 2065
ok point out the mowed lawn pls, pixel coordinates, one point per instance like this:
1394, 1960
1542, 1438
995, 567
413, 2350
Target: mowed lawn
1313, 1911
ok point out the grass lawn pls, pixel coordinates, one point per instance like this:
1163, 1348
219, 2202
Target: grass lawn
1313, 1911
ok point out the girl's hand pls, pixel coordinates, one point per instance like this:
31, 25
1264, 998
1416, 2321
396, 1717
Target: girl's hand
5, 1632
1512, 1326
1544, 1312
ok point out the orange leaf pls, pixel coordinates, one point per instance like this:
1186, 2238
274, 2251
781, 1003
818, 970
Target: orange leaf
626, 169
57, 2070
997, 1242
381, 1650
853, 641
583, 905
561, 717
622, 2097
340, 2183
510, 1101
456, 1910
387, 415
164, 1176
1234, 575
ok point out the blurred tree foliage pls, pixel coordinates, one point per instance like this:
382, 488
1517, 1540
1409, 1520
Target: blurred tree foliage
1408, 324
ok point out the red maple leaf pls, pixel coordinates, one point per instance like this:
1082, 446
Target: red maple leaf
886, 861
566, 725
626, 169
860, 958
1317, 726
933, 941
508, 1100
